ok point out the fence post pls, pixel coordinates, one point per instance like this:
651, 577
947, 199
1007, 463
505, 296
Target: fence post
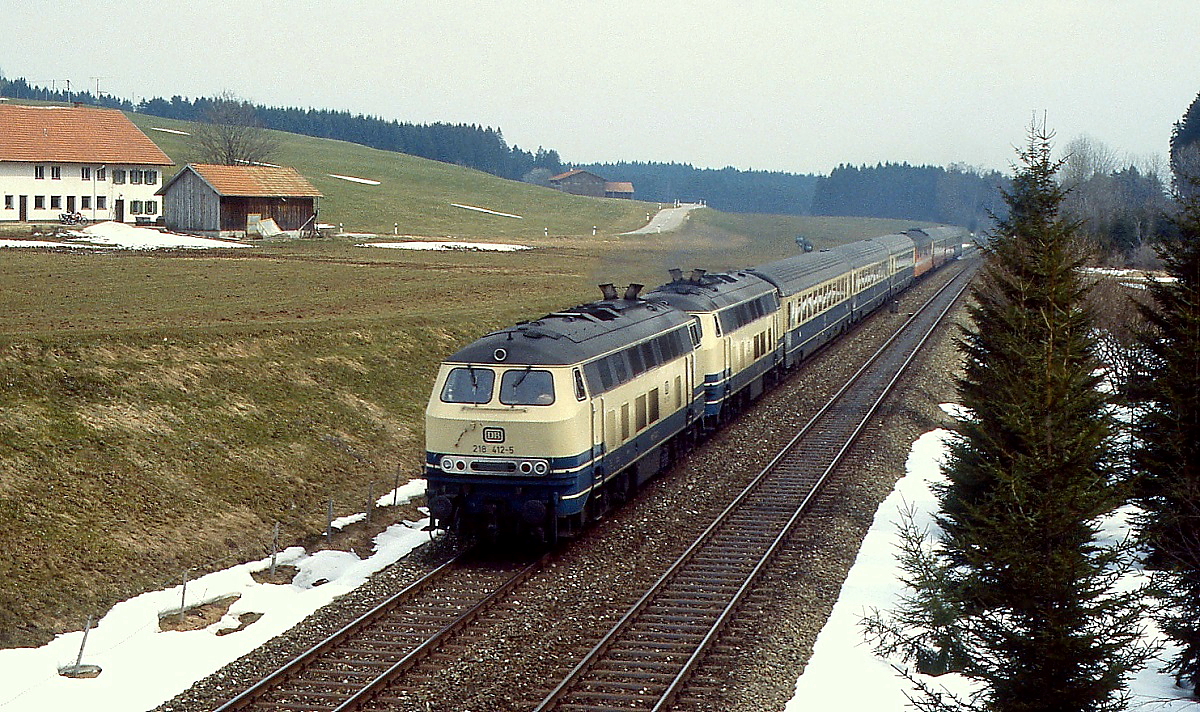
274, 548
183, 595
370, 500
79, 669
396, 489
329, 522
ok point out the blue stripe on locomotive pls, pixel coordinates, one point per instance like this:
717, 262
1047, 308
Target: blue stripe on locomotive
569, 481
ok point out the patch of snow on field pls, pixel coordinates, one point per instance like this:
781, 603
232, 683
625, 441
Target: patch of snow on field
844, 673
142, 238
170, 131
468, 246
141, 666
485, 210
352, 179
34, 243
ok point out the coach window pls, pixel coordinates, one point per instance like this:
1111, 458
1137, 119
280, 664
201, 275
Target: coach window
526, 387
469, 385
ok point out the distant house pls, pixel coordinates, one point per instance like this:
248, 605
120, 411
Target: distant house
620, 189
232, 201
57, 159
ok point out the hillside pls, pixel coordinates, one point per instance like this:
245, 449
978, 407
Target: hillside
418, 193
161, 411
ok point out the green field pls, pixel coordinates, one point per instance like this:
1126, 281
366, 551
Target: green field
160, 411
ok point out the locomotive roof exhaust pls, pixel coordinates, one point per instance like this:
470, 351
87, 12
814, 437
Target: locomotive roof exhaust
632, 291
608, 290
697, 275
676, 274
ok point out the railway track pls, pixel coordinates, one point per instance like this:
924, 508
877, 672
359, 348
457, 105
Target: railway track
647, 657
348, 669
644, 661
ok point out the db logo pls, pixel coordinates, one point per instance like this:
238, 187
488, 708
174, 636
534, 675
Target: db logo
493, 435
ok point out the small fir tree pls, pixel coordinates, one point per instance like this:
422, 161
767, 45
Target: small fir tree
1038, 618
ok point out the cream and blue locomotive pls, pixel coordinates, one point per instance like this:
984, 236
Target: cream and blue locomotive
543, 426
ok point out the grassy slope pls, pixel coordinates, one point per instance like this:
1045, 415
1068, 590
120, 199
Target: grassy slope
161, 411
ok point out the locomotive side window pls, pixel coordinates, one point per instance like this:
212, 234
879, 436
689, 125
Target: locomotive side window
526, 387
469, 385
580, 391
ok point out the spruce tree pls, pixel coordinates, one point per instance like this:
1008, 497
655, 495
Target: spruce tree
1169, 458
1036, 616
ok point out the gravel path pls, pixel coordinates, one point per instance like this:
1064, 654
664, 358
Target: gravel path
602, 573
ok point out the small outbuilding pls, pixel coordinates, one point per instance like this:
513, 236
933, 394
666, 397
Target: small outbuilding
618, 189
239, 201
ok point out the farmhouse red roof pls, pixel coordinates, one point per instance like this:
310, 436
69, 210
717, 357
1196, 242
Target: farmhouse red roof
74, 135
618, 187
254, 181
570, 173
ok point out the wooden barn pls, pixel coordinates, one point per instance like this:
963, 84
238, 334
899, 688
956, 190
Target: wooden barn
239, 201
579, 182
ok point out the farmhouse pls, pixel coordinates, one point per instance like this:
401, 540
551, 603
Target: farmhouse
56, 159
581, 182
237, 201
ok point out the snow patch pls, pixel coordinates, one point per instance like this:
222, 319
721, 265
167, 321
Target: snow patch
141, 238
468, 246
352, 179
485, 210
143, 667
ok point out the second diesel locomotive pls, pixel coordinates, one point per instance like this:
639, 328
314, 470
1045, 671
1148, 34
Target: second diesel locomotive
545, 425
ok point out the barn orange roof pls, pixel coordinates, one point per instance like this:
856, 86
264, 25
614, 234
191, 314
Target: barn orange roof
618, 187
74, 135
252, 181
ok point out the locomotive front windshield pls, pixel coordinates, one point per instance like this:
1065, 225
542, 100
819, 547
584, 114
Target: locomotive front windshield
527, 387
469, 385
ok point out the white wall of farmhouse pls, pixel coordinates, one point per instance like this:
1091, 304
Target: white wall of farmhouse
98, 191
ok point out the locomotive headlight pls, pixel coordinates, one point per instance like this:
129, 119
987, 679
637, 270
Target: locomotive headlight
447, 464
526, 468
540, 467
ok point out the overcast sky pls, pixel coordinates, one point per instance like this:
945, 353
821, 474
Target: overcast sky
796, 86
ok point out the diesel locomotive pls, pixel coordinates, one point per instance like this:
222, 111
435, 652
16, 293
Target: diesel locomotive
541, 427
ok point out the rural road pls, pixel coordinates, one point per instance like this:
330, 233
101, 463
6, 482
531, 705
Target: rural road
666, 220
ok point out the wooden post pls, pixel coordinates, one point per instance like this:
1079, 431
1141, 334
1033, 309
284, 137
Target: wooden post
370, 500
274, 549
329, 522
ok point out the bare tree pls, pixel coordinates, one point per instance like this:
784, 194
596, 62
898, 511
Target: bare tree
232, 135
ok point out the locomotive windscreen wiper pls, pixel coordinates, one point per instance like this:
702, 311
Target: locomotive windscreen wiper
523, 375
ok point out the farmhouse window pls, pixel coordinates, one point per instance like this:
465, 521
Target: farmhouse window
151, 207
8, 202
39, 172
135, 207
56, 202
85, 202
39, 202
118, 176
150, 177
101, 202
85, 173
135, 177
101, 174
55, 172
